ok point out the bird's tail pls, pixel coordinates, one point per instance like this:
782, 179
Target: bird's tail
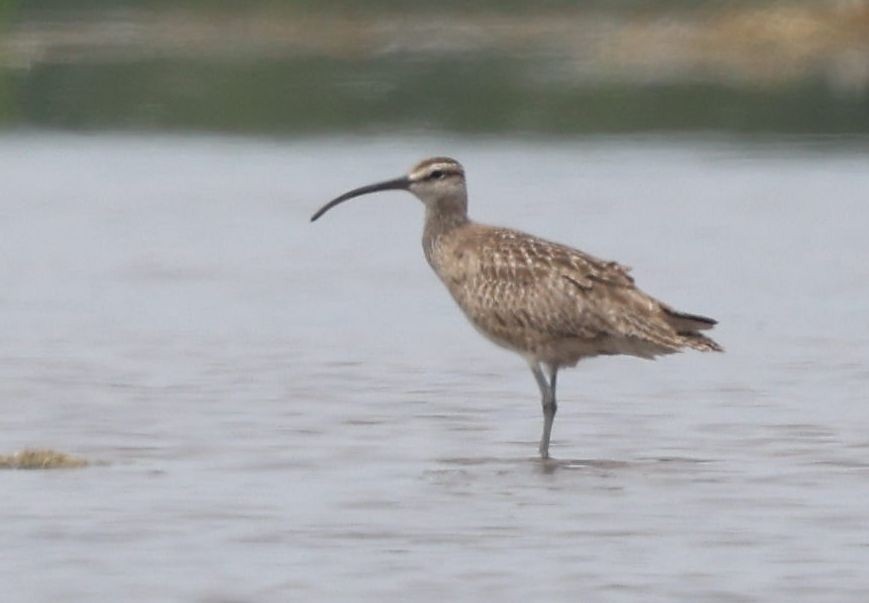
702, 343
682, 321
688, 327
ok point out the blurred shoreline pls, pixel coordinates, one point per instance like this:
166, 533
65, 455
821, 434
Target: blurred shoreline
793, 66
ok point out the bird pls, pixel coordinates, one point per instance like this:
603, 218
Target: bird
550, 303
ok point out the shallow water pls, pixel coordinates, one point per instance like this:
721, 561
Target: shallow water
289, 411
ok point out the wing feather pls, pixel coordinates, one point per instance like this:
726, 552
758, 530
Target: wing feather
524, 291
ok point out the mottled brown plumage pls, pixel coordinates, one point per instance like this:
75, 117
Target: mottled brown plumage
554, 303
550, 303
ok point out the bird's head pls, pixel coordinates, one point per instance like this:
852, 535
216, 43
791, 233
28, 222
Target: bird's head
439, 182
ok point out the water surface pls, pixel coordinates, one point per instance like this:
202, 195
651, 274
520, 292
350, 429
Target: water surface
289, 411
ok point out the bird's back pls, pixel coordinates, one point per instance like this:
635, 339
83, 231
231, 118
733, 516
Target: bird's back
553, 303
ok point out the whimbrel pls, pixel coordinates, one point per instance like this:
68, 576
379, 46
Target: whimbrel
552, 304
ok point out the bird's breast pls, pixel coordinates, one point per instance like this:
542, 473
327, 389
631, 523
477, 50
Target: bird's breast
451, 263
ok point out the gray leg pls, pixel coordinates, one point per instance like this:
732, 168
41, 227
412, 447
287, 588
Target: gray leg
552, 371
547, 393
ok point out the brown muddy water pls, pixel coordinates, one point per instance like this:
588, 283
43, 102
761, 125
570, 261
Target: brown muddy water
277, 410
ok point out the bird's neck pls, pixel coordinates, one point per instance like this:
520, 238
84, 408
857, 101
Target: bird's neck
442, 217
445, 214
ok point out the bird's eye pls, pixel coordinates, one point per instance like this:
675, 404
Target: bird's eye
436, 174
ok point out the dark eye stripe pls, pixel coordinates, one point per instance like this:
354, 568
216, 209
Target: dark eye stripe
441, 173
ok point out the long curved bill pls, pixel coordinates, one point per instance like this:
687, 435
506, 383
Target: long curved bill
390, 185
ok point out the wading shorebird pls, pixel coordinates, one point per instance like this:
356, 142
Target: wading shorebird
551, 304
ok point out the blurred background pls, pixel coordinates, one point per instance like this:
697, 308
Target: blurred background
275, 410
551, 67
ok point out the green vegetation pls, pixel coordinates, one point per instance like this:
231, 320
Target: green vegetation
487, 95
7, 9
738, 67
